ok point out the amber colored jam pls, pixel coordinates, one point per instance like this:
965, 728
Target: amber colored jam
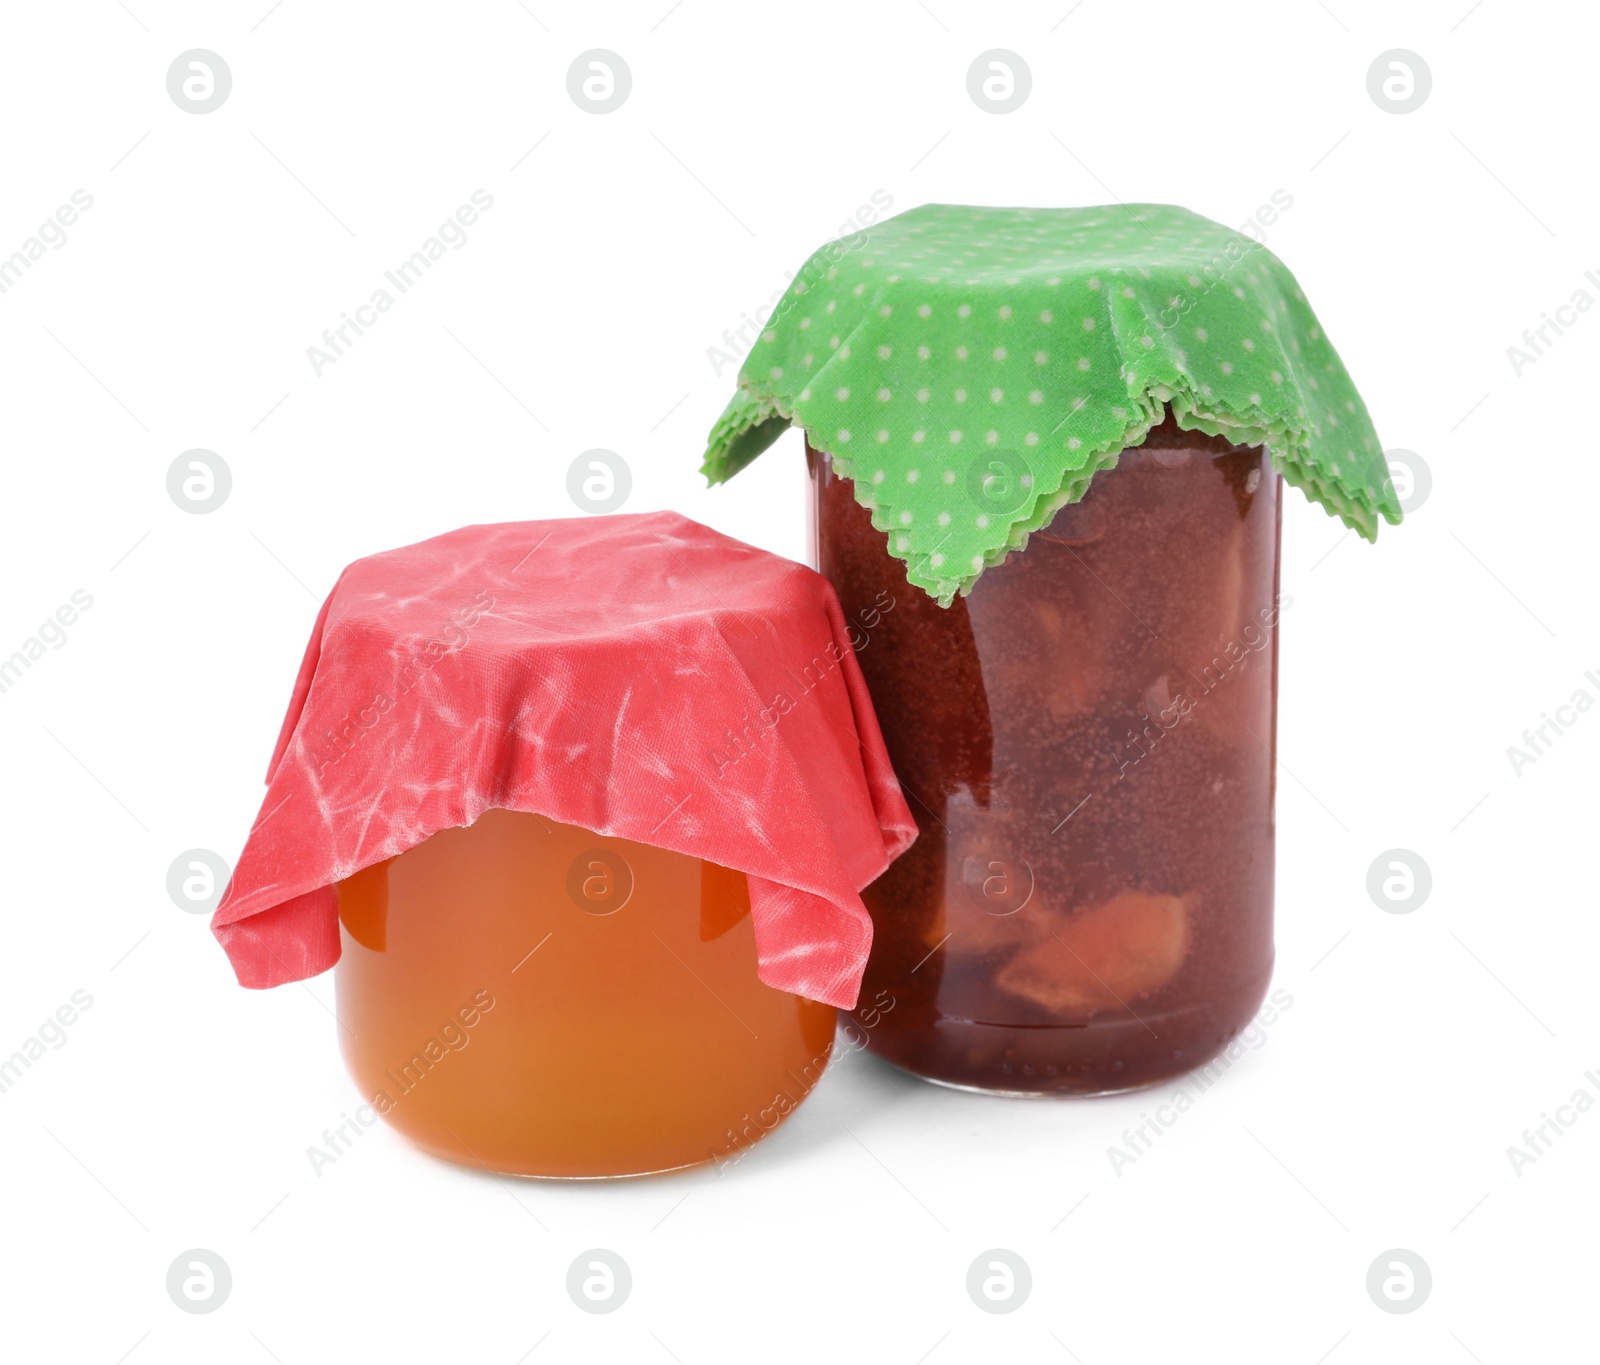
1087, 741
532, 998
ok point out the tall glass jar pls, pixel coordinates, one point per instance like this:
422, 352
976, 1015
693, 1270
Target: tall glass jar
1086, 740
533, 998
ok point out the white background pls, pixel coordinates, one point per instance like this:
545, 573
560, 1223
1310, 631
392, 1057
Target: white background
1377, 1111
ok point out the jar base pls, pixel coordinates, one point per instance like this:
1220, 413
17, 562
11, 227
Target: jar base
480, 1168
529, 1161
996, 1092
1081, 1061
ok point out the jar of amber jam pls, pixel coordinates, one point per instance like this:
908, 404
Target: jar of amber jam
1047, 447
1085, 740
579, 812
535, 999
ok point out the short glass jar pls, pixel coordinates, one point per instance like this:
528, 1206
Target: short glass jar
1086, 740
535, 999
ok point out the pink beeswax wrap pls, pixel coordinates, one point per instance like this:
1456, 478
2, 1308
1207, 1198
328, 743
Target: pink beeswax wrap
640, 676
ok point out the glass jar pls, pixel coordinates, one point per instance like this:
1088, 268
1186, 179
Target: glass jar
1086, 740
536, 999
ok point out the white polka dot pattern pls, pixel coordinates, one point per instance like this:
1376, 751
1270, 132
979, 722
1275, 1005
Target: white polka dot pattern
1070, 332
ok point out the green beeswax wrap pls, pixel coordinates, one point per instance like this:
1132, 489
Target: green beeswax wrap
971, 369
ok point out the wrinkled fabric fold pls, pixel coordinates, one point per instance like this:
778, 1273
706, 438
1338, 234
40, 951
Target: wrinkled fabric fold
641, 676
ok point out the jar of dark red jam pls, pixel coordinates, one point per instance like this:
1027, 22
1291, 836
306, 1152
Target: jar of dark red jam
1039, 440
1086, 739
